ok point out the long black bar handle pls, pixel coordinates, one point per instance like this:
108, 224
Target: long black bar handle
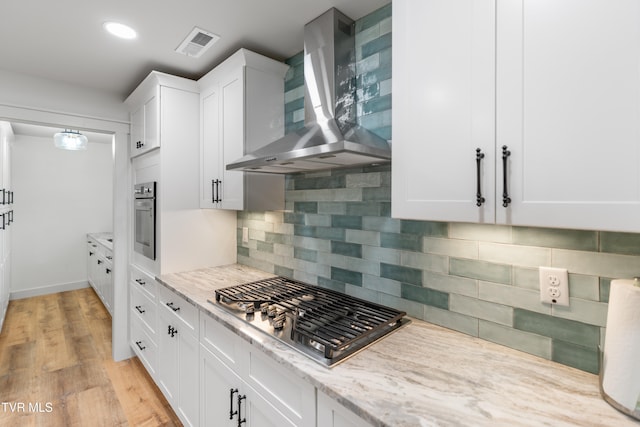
4, 223
140, 346
232, 391
215, 190
240, 419
139, 308
479, 156
505, 193
4, 196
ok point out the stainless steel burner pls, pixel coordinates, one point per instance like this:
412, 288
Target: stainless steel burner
325, 325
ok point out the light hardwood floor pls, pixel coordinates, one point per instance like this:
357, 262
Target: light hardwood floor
56, 368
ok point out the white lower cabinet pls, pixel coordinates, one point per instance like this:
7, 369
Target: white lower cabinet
100, 272
226, 400
143, 300
211, 376
267, 394
332, 414
178, 348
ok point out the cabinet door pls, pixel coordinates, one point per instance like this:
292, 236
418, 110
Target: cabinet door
568, 108
258, 412
145, 125
232, 134
443, 109
210, 146
137, 130
168, 355
217, 401
188, 378
4, 295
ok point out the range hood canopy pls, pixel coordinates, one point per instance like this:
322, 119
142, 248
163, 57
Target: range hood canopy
330, 138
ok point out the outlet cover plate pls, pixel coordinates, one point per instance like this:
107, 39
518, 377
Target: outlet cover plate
554, 286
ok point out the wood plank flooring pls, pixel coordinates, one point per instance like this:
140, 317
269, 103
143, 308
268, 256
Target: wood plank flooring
56, 368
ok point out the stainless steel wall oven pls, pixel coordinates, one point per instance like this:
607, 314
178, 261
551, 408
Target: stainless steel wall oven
145, 219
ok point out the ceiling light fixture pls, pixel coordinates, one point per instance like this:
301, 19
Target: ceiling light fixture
70, 140
120, 30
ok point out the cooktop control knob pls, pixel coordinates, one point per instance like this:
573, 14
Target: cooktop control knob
278, 322
272, 311
249, 309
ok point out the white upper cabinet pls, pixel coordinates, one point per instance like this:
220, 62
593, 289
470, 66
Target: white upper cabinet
145, 123
241, 110
568, 108
443, 109
556, 82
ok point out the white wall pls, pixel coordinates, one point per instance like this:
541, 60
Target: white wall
60, 196
48, 95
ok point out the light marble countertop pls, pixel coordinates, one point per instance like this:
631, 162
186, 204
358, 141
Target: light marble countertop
102, 239
425, 375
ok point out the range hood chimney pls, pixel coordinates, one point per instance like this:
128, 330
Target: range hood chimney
330, 138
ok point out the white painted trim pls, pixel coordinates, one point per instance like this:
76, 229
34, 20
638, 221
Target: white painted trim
46, 290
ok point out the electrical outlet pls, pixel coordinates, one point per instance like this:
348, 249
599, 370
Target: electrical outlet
245, 235
554, 285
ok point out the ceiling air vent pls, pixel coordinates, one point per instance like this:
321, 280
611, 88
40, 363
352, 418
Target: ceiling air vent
197, 42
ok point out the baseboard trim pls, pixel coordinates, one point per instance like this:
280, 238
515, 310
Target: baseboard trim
46, 290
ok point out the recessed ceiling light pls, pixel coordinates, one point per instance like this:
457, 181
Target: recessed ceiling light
120, 30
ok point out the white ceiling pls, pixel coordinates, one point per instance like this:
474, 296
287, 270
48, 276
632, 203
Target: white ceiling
64, 40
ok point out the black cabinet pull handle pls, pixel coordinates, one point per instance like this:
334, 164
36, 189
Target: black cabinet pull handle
505, 193
240, 419
171, 306
90, 253
141, 347
172, 331
139, 144
108, 270
479, 156
3, 222
139, 308
140, 282
232, 391
99, 261
215, 190
10, 217
4, 196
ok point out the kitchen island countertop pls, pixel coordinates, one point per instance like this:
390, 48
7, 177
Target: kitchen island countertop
423, 374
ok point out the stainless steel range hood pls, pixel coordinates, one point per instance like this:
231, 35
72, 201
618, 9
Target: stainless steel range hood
330, 137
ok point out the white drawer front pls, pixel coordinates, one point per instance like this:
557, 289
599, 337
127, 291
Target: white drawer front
143, 308
145, 347
290, 394
181, 308
144, 281
220, 341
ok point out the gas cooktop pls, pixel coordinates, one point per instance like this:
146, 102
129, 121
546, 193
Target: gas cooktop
323, 324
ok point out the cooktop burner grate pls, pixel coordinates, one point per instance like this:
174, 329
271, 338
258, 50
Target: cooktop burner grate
321, 321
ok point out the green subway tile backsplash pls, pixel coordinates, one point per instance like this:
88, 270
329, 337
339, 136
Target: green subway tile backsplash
401, 274
409, 242
347, 249
479, 279
425, 296
346, 276
553, 327
482, 270
553, 238
620, 243
583, 358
